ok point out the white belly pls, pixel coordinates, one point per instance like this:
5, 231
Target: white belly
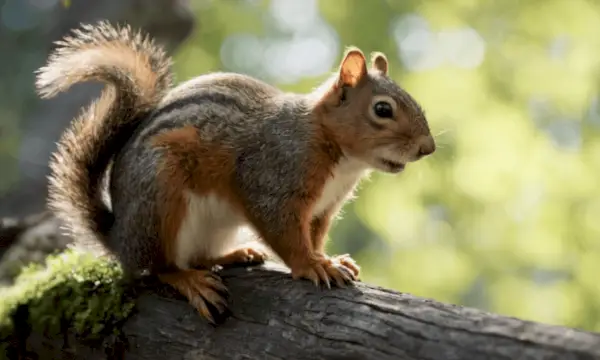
211, 226
341, 184
209, 229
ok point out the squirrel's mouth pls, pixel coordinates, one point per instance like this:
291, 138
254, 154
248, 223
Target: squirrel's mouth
392, 166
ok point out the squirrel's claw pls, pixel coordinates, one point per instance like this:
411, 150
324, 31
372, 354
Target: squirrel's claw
203, 289
323, 276
325, 270
349, 263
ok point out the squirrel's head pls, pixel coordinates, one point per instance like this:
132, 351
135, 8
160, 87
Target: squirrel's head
371, 117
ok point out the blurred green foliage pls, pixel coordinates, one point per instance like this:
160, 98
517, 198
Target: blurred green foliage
505, 215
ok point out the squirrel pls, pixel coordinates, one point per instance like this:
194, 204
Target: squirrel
192, 163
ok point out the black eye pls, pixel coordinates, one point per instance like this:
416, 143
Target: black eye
383, 110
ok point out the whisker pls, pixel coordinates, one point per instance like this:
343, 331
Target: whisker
441, 132
441, 140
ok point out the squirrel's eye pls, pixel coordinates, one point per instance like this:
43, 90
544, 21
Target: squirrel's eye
383, 109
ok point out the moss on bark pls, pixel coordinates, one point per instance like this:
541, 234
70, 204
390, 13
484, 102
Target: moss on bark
70, 291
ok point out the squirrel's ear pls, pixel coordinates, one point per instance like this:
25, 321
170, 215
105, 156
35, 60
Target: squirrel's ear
353, 67
379, 62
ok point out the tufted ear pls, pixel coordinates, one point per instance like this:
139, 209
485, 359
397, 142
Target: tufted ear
353, 68
379, 62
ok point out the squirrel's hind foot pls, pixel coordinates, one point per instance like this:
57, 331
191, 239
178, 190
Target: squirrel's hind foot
203, 289
325, 269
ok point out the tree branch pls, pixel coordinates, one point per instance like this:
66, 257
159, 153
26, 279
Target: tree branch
275, 317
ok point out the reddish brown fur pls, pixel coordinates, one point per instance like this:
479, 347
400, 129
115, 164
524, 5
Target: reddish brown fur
352, 132
295, 246
352, 69
358, 137
189, 164
319, 228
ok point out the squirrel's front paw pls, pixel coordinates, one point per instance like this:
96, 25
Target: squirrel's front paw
348, 262
243, 256
325, 269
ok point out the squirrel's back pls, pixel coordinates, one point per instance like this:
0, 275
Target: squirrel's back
229, 106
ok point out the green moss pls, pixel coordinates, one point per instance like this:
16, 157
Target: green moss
70, 289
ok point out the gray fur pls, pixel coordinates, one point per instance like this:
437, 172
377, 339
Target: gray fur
133, 189
272, 165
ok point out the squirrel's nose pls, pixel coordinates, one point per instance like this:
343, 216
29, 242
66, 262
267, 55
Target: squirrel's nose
426, 146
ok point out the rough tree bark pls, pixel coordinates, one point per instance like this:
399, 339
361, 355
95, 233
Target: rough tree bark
26, 240
275, 317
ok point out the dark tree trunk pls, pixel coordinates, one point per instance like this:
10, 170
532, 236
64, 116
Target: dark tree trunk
275, 317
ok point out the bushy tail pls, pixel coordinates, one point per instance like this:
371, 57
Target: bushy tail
137, 73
